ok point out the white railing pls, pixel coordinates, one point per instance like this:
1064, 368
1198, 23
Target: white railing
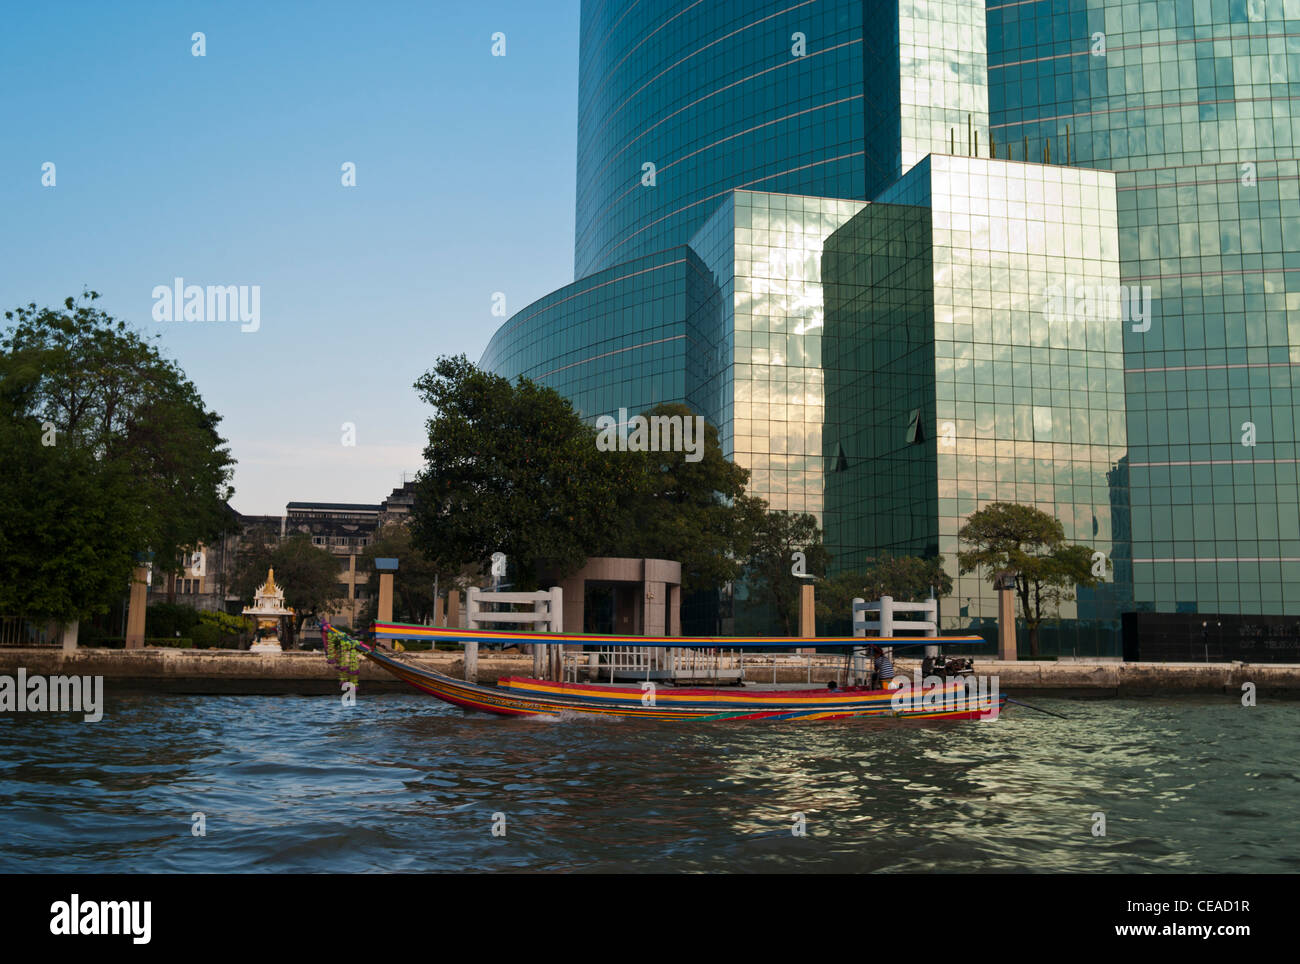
547, 616
609, 663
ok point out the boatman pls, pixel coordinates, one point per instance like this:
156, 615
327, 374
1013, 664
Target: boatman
884, 668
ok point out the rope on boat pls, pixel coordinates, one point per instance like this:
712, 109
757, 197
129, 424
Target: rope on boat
1038, 708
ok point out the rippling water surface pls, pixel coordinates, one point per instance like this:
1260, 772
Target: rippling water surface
402, 783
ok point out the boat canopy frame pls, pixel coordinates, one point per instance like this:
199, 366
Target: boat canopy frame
410, 631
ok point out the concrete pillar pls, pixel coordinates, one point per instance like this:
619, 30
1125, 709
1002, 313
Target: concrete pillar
557, 663
932, 616
136, 606
69, 636
471, 662
886, 615
860, 674
471, 648
807, 613
656, 609
674, 610
1007, 624
555, 607
385, 614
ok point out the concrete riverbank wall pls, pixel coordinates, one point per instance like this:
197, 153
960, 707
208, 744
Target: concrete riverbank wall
234, 672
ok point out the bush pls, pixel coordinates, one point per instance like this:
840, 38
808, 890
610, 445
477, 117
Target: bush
208, 636
167, 619
88, 634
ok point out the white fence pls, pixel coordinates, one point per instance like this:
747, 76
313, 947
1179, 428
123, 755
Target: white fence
547, 616
886, 625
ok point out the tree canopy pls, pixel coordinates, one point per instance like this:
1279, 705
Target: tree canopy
109, 452
1027, 546
509, 468
414, 581
902, 578
513, 468
777, 536
694, 512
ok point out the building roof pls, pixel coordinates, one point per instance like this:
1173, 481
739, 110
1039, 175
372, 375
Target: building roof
333, 506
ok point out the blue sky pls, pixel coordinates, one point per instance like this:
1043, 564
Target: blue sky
226, 170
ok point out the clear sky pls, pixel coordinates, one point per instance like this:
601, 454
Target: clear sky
225, 169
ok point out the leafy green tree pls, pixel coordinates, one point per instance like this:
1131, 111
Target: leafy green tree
216, 628
68, 526
693, 512
509, 468
513, 468
308, 574
108, 450
414, 581
903, 578
1028, 547
778, 536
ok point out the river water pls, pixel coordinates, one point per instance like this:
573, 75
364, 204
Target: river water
403, 783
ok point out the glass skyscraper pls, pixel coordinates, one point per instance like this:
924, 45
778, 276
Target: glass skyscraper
890, 249
1193, 105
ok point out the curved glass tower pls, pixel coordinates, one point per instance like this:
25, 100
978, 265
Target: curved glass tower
680, 102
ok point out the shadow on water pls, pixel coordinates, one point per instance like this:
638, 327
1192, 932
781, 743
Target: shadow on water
400, 783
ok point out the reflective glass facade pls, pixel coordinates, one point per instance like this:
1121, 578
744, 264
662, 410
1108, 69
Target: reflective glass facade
858, 246
626, 337
951, 382
926, 71
765, 254
716, 95
1193, 105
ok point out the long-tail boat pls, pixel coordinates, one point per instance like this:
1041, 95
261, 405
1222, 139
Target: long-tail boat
949, 699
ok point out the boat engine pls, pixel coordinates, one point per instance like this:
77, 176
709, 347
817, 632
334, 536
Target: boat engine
947, 667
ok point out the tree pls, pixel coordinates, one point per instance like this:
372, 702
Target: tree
514, 469
903, 578
414, 581
68, 527
109, 451
1028, 547
308, 575
694, 512
778, 536
509, 468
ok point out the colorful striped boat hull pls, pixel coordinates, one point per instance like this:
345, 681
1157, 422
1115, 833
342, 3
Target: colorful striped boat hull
521, 696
